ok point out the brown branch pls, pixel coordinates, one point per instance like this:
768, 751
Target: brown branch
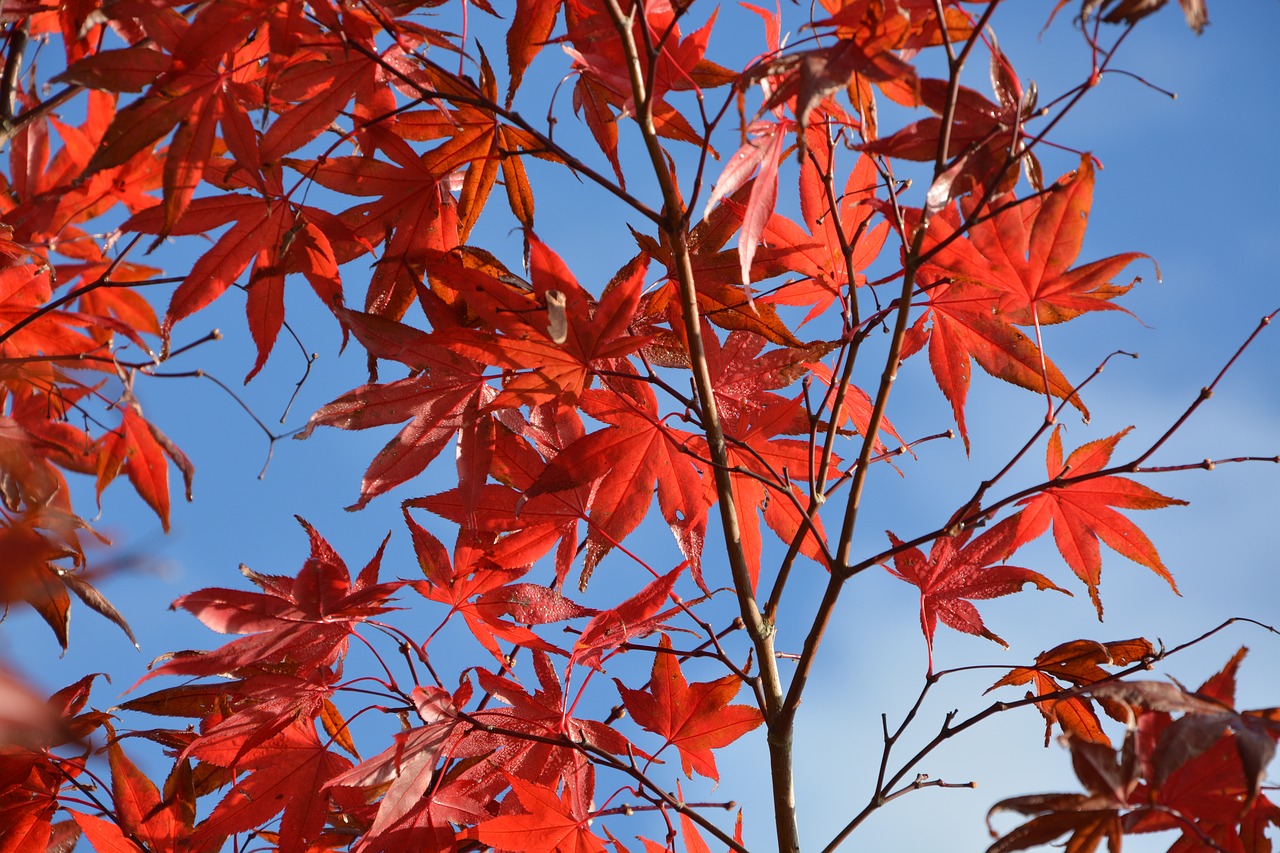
674, 224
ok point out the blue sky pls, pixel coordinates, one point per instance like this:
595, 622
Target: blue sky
1190, 181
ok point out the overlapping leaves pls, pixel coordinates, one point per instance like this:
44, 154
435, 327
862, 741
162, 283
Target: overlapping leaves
227, 120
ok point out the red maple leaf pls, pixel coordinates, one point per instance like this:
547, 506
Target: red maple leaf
986, 140
318, 81
143, 452
475, 139
762, 463
622, 463
203, 75
958, 570
526, 733
827, 274
1200, 774
25, 287
442, 398
638, 616
1024, 252
267, 232
520, 530
1082, 512
32, 775
723, 298
404, 772
411, 209
1210, 763
53, 195
1111, 780
868, 37
676, 64
164, 823
297, 624
551, 336
695, 718
964, 327
475, 586
531, 27
546, 824
289, 772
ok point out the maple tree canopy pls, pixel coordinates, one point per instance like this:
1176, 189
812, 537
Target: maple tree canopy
379, 162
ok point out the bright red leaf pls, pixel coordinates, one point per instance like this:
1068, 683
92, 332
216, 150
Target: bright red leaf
958, 570
1082, 512
695, 718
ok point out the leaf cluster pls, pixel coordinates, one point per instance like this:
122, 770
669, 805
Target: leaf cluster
715, 375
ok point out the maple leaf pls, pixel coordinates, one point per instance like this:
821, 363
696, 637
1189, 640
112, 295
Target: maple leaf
31, 774
759, 460
1131, 11
143, 452
200, 79
532, 604
298, 623
723, 297
318, 82
289, 772
54, 195
554, 335
443, 398
411, 210
762, 150
547, 824
34, 544
622, 463
525, 735
1073, 664
269, 233
477, 139
1210, 762
29, 806
24, 288
964, 327
1199, 774
827, 276
524, 529
531, 27
986, 139
638, 616
957, 570
863, 51
480, 589
1111, 779
676, 64
1082, 512
1025, 252
405, 771
161, 822
695, 718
